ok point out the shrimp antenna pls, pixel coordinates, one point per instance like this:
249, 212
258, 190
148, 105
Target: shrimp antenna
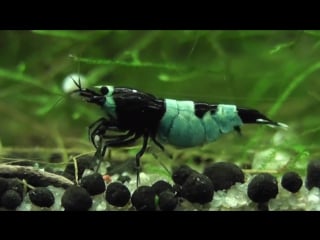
78, 84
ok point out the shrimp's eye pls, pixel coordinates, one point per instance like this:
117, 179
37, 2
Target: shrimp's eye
104, 90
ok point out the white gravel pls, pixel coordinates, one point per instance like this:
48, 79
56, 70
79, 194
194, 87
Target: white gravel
233, 199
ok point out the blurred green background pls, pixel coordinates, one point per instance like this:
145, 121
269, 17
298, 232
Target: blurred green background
276, 72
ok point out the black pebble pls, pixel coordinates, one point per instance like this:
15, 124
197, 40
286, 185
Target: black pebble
224, 174
83, 163
37, 182
76, 199
291, 181
55, 158
11, 199
161, 186
16, 185
262, 188
181, 174
167, 201
200, 160
67, 175
313, 174
246, 166
117, 194
124, 178
3, 185
41, 197
197, 188
143, 199
93, 183
263, 206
